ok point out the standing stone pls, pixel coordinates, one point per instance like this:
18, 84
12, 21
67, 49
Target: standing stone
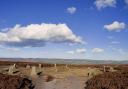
104, 68
11, 70
28, 66
67, 67
111, 69
33, 71
40, 66
14, 65
55, 66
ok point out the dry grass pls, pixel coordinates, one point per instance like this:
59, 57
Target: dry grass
64, 72
110, 80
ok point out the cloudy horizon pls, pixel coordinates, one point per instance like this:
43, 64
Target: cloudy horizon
74, 29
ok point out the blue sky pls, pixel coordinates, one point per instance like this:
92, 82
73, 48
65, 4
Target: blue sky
77, 29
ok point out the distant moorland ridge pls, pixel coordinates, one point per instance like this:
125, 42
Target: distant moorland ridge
65, 61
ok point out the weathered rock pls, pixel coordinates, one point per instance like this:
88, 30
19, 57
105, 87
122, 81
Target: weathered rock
33, 72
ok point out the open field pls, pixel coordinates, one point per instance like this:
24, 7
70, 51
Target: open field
61, 76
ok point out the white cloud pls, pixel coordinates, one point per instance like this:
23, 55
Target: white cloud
119, 50
126, 1
70, 52
38, 35
115, 26
114, 42
80, 51
97, 50
9, 48
71, 10
105, 3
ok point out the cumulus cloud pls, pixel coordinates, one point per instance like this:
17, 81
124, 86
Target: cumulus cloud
104, 3
71, 10
97, 50
38, 35
115, 26
80, 51
126, 1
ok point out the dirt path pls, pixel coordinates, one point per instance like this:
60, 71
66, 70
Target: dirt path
71, 82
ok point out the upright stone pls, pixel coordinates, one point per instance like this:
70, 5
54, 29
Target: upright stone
67, 67
33, 72
14, 65
11, 69
111, 69
104, 68
40, 66
55, 66
28, 66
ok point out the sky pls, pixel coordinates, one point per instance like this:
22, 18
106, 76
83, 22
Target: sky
69, 29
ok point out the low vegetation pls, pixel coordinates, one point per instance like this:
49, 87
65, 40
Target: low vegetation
15, 82
110, 80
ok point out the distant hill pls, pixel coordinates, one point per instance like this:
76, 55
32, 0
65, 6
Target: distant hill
65, 61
